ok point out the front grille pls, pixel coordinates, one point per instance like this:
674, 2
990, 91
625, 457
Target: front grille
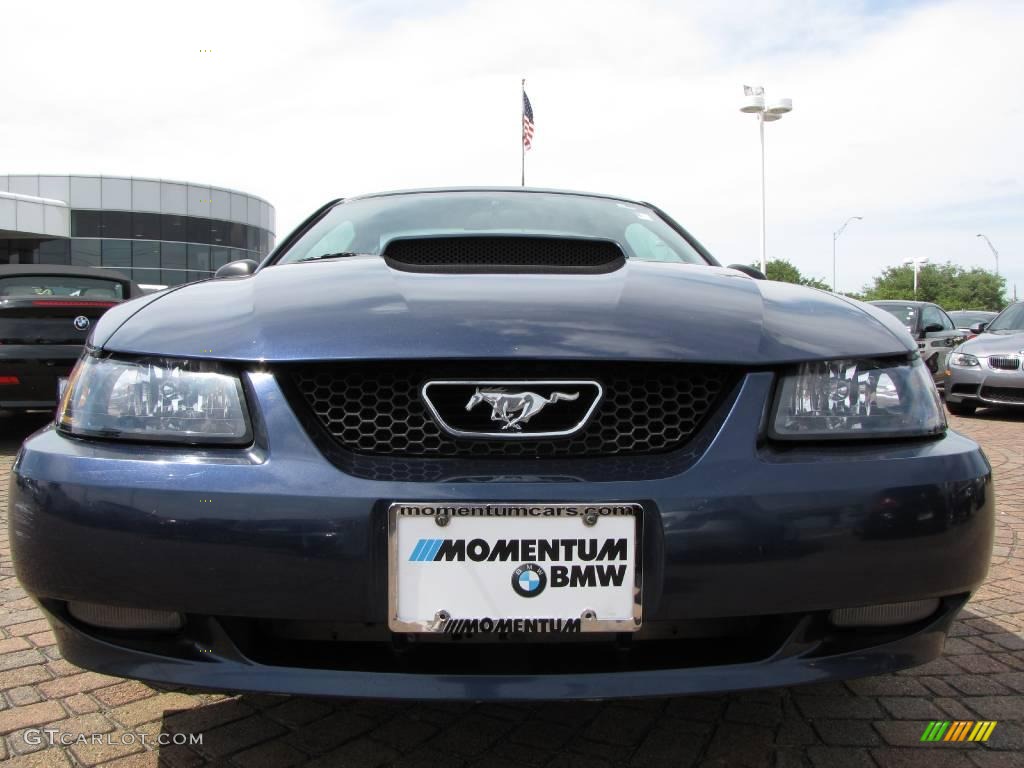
377, 409
1004, 363
492, 253
1003, 394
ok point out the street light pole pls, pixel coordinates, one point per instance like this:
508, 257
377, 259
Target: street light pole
764, 244
991, 248
835, 237
755, 105
917, 263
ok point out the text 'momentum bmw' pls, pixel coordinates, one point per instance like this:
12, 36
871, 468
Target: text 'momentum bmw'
498, 444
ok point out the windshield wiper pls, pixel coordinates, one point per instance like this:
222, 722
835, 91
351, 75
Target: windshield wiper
338, 255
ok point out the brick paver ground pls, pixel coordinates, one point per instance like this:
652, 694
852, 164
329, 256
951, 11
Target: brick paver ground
873, 721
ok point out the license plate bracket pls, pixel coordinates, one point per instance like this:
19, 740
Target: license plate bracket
489, 567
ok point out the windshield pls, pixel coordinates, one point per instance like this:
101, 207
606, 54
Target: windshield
31, 286
904, 313
1010, 320
366, 225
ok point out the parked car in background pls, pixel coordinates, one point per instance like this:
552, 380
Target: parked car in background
989, 369
46, 313
498, 444
967, 319
932, 329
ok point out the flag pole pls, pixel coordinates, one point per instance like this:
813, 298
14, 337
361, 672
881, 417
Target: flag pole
522, 135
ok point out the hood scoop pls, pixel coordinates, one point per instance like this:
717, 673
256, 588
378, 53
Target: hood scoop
504, 254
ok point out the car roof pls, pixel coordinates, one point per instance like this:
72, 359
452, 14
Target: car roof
901, 303
518, 190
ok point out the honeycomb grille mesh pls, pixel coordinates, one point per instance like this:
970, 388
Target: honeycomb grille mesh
378, 410
485, 253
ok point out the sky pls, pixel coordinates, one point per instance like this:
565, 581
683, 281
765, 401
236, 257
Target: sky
908, 114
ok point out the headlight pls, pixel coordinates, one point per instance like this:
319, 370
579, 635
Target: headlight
844, 399
963, 361
169, 401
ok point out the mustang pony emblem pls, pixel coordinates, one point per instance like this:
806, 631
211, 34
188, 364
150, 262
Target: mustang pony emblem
515, 408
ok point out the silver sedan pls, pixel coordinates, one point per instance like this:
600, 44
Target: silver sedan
989, 369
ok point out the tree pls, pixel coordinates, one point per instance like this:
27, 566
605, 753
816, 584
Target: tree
786, 272
948, 285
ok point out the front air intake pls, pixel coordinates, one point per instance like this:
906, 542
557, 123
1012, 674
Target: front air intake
884, 615
124, 618
504, 253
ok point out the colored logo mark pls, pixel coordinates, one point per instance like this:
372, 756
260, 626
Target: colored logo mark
958, 730
529, 580
425, 549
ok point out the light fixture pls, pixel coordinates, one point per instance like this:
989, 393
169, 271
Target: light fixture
754, 104
780, 107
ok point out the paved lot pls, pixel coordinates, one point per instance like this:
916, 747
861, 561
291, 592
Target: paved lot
867, 722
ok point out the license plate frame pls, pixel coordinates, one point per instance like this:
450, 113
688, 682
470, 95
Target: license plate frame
629, 516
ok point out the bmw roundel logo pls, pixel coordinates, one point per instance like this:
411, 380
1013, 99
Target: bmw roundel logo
82, 323
529, 580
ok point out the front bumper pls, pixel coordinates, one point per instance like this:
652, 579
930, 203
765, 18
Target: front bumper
984, 386
239, 539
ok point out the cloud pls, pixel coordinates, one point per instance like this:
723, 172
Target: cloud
905, 114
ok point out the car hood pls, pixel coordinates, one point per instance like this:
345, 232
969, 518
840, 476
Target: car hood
995, 344
359, 308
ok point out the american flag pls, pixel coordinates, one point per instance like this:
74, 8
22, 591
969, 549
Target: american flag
527, 122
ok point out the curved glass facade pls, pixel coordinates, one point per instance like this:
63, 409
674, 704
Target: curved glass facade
158, 232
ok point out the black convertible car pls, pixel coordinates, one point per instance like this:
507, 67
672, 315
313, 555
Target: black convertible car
46, 313
498, 444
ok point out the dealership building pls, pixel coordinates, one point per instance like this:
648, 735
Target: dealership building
156, 231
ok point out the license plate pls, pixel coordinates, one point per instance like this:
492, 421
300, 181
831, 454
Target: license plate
490, 568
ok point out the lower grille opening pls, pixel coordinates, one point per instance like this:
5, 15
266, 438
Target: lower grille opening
371, 647
1003, 394
730, 641
965, 389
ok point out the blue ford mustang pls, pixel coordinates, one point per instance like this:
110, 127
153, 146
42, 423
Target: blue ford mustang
498, 444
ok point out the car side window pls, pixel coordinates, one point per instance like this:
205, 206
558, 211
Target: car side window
337, 240
647, 246
931, 315
947, 321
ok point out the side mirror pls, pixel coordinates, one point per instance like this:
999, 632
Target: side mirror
239, 268
978, 328
933, 328
748, 270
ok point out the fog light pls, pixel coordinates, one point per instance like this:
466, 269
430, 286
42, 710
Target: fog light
119, 617
885, 615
